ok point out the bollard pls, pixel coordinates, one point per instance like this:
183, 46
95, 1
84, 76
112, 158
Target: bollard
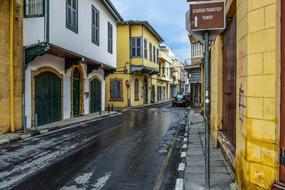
36, 121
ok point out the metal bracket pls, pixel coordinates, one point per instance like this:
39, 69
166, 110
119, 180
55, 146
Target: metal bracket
71, 61
91, 68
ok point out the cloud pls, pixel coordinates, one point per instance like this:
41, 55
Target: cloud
166, 16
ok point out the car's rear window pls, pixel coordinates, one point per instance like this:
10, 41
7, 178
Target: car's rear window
179, 97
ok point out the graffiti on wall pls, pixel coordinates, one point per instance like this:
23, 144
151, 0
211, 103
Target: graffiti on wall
241, 103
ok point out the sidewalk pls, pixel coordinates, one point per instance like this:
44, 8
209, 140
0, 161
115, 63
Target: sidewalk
221, 175
19, 135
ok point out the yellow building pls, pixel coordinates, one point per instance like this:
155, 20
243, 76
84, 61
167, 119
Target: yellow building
247, 92
11, 65
135, 81
164, 77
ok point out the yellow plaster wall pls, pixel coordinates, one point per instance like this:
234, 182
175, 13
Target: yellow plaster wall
256, 155
216, 86
123, 45
126, 93
124, 60
132, 89
4, 66
151, 39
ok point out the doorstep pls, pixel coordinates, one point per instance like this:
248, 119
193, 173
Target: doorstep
20, 135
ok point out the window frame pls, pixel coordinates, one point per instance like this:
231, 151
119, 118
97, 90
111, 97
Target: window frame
121, 98
145, 44
154, 54
69, 26
150, 52
93, 34
35, 15
110, 44
157, 55
136, 47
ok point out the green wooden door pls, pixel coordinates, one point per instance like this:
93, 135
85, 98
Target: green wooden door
76, 92
47, 98
95, 95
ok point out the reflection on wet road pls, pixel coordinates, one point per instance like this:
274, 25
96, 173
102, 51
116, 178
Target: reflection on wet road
127, 157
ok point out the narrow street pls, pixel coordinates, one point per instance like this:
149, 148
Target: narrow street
119, 152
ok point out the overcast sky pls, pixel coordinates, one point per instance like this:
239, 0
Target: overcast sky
166, 16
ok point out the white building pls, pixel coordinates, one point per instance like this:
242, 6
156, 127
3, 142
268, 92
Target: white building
70, 47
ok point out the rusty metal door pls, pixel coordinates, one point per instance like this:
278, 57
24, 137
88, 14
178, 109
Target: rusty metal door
282, 117
229, 83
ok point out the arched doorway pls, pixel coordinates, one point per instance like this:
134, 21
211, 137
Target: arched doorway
47, 97
76, 92
95, 95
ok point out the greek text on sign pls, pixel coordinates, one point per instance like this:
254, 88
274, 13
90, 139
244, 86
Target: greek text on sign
207, 16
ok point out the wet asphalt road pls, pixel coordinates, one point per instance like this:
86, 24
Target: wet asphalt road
116, 153
130, 158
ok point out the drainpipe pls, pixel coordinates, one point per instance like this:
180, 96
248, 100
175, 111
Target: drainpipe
11, 66
47, 21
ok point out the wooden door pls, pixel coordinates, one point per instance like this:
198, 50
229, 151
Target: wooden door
153, 94
282, 117
47, 98
76, 92
145, 85
95, 96
229, 83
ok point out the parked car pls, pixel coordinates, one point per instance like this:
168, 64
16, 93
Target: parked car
181, 100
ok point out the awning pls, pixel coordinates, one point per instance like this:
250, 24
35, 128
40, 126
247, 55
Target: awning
144, 69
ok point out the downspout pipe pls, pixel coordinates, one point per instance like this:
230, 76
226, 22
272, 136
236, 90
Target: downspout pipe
11, 66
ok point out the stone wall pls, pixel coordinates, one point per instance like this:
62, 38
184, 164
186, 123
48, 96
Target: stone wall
256, 151
4, 65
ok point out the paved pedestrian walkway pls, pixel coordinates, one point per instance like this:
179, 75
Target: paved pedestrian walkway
194, 179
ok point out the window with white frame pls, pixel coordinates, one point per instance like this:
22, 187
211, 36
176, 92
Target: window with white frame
72, 15
34, 8
197, 50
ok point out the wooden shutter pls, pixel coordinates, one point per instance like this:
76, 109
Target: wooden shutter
113, 89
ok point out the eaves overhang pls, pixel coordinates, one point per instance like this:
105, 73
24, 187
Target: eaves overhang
147, 25
111, 8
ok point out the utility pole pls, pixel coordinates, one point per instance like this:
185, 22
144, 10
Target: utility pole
204, 24
207, 115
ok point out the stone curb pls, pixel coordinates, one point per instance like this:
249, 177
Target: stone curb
179, 185
161, 175
35, 132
